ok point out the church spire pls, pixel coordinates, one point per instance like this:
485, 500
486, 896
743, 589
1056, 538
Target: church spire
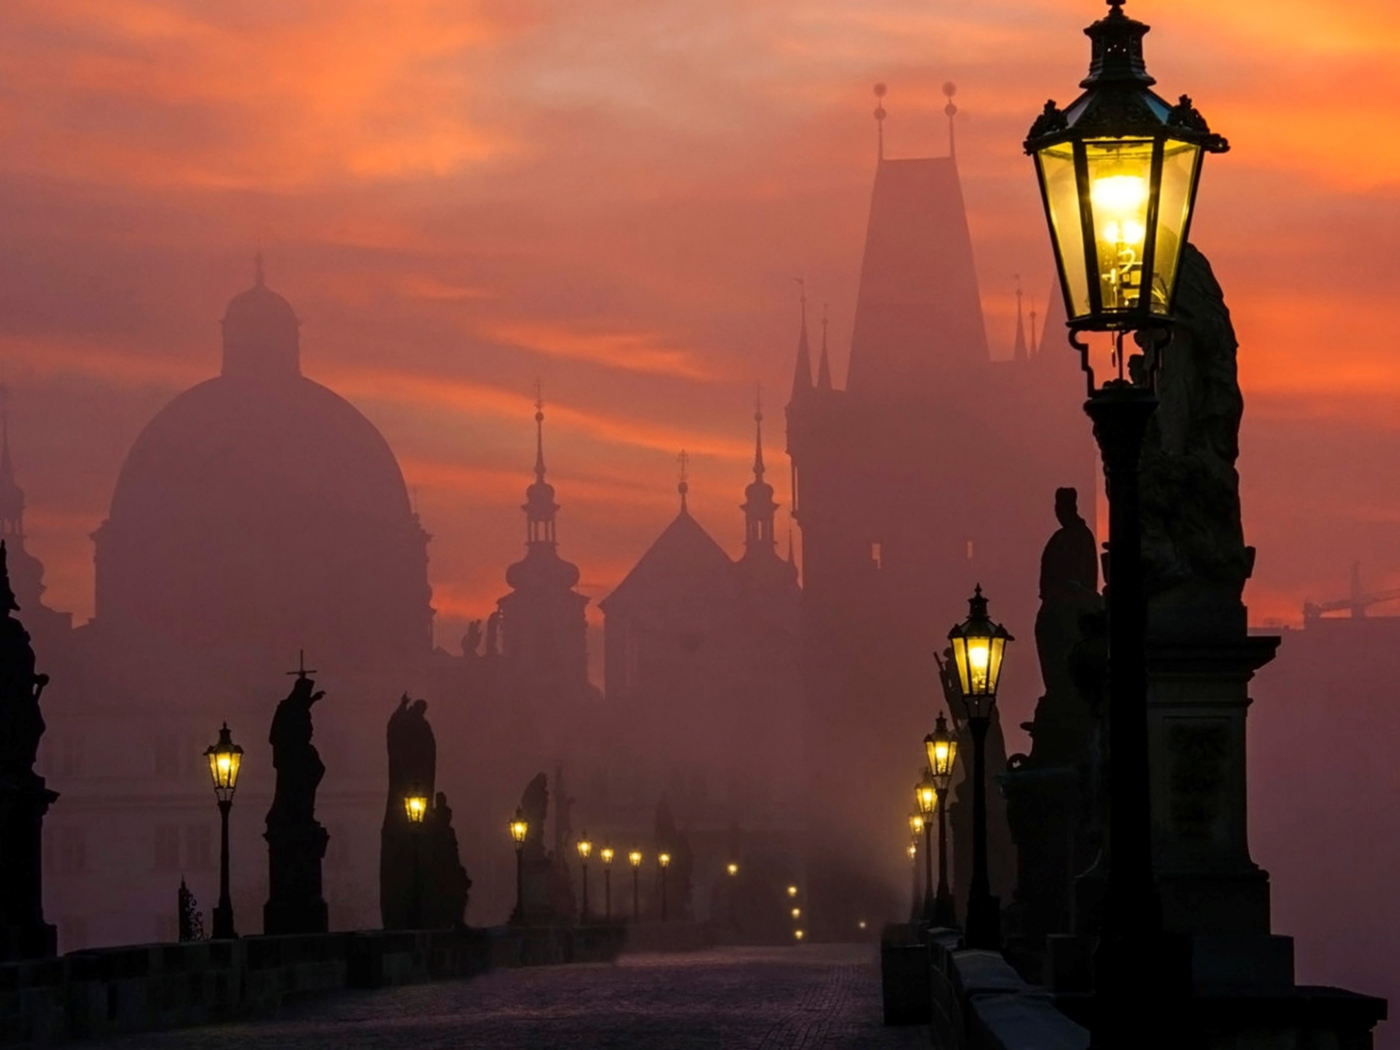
802, 374
1018, 351
683, 486
880, 90
539, 507
758, 506
824, 366
951, 111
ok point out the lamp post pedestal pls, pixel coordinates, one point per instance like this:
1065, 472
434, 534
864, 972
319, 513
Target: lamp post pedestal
517, 917
607, 895
223, 911
583, 912
983, 910
636, 894
929, 911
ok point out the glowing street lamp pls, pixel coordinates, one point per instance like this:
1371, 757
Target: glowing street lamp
926, 797
978, 648
797, 913
941, 747
585, 850
732, 868
792, 891
635, 859
664, 861
225, 759
415, 806
607, 853
519, 828
1118, 174
1118, 171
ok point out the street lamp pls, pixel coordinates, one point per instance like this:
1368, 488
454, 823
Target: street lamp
519, 828
942, 749
792, 891
978, 648
732, 868
225, 758
914, 896
926, 796
664, 860
607, 854
635, 859
585, 848
415, 807
1119, 170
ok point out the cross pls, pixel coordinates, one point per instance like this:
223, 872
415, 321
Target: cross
539, 395
684, 460
301, 671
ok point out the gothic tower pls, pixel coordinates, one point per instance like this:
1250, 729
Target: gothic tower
927, 473
544, 649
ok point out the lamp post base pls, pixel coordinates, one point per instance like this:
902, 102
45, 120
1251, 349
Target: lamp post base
223, 923
944, 911
984, 923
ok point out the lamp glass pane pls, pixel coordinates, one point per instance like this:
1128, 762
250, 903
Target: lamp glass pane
1181, 165
1120, 193
996, 651
1062, 201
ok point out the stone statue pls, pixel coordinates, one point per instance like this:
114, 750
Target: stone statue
21, 721
446, 881
24, 798
471, 641
1069, 581
296, 843
542, 870
1194, 556
493, 632
412, 752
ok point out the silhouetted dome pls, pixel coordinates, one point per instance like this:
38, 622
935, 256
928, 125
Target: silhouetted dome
542, 568
260, 509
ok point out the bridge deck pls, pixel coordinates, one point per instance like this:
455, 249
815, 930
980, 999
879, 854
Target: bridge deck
813, 997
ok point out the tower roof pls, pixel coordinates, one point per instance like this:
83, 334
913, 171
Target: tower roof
802, 372
684, 566
918, 313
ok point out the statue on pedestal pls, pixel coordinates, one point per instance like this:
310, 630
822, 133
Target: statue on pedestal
296, 842
412, 768
541, 869
24, 798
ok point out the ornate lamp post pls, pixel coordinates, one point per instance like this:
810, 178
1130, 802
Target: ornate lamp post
415, 807
978, 647
664, 861
585, 849
519, 828
1119, 170
635, 859
225, 758
926, 796
607, 854
942, 749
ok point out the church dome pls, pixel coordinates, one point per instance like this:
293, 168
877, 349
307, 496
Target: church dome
260, 509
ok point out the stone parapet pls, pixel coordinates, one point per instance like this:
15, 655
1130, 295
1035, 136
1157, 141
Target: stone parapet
120, 991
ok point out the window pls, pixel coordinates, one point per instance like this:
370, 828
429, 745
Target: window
969, 550
167, 847
876, 555
199, 849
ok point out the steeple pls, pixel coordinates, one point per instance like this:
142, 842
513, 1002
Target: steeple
758, 504
539, 507
683, 486
824, 366
880, 90
802, 374
951, 111
11, 495
1018, 351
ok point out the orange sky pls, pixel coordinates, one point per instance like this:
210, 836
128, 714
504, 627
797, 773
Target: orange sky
615, 196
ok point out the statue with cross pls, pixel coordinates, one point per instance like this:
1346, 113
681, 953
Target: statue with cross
296, 841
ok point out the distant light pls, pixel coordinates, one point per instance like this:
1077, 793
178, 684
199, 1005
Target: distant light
733, 869
861, 924
797, 913
792, 891
797, 934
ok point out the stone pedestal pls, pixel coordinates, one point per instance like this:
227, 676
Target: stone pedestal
23, 932
1213, 893
295, 903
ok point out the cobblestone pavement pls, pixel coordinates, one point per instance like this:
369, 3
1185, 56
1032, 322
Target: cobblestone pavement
813, 997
